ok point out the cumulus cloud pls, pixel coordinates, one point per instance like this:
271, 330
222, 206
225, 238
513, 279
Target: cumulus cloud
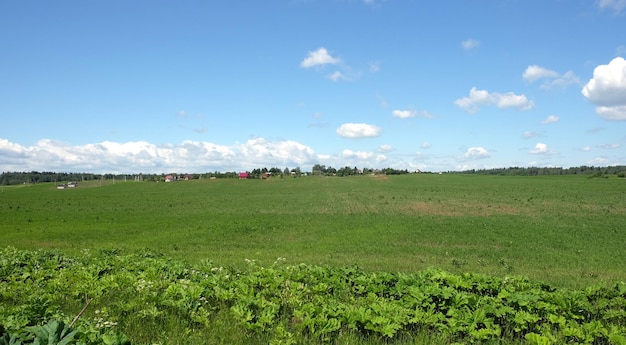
405, 114
426, 145
550, 119
358, 130
319, 57
478, 98
539, 149
349, 154
476, 153
470, 44
607, 89
614, 5
141, 156
550, 78
534, 73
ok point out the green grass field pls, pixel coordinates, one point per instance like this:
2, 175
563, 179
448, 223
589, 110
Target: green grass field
568, 231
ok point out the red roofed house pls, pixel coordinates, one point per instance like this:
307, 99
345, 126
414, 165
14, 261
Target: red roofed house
243, 175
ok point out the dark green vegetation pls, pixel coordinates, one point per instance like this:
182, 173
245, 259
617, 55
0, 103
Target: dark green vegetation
565, 231
153, 299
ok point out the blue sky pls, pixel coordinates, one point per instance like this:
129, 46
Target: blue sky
199, 86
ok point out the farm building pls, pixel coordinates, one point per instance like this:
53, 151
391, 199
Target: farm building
67, 185
244, 175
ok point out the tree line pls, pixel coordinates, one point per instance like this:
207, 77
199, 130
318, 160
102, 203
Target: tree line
619, 170
15, 178
32, 177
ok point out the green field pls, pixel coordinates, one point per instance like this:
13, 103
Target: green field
567, 231
407, 259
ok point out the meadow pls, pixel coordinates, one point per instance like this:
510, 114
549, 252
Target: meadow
567, 231
536, 260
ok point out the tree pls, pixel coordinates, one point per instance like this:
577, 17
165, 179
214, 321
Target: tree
318, 169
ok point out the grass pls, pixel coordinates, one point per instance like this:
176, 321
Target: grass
564, 230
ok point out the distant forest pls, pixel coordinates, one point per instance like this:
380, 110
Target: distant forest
619, 170
15, 178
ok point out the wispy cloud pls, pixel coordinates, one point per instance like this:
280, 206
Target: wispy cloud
374, 67
470, 44
550, 119
409, 113
384, 148
551, 79
530, 134
336, 76
614, 5
611, 146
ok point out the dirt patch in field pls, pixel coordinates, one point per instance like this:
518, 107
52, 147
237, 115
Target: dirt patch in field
460, 209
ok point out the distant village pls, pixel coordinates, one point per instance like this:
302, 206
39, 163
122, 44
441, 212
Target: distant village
61, 178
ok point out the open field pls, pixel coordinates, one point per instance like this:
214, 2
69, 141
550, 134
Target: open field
308, 260
568, 231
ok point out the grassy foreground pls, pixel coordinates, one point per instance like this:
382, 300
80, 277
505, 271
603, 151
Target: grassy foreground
567, 231
148, 299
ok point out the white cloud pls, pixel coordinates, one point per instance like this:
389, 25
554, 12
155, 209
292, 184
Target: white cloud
478, 98
385, 148
426, 145
374, 67
382, 101
530, 134
476, 153
568, 78
614, 5
319, 57
373, 3
336, 76
405, 114
551, 78
141, 156
534, 73
616, 113
349, 154
600, 161
470, 44
550, 119
358, 130
539, 149
607, 89
585, 148
610, 146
